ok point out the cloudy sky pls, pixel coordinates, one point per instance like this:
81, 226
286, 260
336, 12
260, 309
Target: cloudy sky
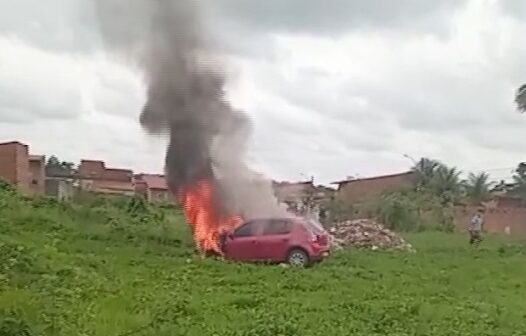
334, 87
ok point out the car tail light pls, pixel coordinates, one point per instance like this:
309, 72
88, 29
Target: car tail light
320, 239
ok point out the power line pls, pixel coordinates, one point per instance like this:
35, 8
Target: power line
511, 169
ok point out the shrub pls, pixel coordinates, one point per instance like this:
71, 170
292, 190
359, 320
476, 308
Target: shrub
11, 324
414, 211
7, 188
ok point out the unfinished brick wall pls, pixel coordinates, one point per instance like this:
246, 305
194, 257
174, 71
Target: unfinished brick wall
368, 189
92, 169
496, 219
14, 165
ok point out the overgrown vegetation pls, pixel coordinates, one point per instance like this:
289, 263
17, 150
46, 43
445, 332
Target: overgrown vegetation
414, 211
57, 168
519, 180
477, 188
122, 267
429, 205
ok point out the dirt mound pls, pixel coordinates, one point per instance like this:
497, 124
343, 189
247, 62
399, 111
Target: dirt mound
366, 233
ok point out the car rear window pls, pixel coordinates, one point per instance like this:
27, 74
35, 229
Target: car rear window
314, 226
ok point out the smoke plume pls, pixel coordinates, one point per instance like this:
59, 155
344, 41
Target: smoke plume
186, 99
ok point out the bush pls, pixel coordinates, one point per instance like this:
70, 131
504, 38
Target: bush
398, 212
12, 325
414, 211
7, 188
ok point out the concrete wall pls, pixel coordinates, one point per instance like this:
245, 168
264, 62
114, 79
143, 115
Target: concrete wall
62, 189
14, 165
37, 172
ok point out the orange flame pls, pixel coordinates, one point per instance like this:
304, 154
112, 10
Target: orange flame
200, 213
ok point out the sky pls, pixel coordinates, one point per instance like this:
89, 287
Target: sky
334, 88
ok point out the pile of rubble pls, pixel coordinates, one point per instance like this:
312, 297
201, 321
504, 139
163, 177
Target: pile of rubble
366, 233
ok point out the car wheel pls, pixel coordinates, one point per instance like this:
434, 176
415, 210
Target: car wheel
298, 258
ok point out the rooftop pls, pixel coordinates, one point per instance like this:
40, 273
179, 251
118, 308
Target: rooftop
12, 143
154, 181
37, 158
373, 178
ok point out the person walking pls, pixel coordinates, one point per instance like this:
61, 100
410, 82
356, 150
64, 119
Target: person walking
475, 228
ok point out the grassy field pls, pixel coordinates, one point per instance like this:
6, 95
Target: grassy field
118, 269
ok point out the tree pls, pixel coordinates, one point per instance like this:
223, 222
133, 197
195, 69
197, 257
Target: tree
426, 169
57, 168
477, 187
520, 98
446, 183
519, 181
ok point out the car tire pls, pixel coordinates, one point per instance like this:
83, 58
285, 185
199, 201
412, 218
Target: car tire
298, 258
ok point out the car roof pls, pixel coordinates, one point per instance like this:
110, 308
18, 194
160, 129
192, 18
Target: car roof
273, 218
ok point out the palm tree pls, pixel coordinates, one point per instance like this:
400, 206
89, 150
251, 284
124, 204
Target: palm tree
477, 187
520, 98
446, 183
519, 181
426, 170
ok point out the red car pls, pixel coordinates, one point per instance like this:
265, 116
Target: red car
299, 242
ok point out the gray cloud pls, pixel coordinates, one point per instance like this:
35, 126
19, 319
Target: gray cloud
334, 17
247, 27
58, 25
117, 91
37, 85
514, 8
242, 26
405, 80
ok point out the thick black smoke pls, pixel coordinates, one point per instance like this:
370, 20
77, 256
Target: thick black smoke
186, 98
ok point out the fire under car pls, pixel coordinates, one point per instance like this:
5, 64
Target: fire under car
296, 241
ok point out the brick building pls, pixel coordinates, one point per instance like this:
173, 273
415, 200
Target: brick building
14, 164
153, 187
352, 191
96, 177
26, 172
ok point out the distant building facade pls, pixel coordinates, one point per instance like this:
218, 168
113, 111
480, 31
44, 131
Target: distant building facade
37, 174
14, 164
153, 187
26, 172
94, 176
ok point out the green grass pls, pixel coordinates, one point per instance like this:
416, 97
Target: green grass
103, 269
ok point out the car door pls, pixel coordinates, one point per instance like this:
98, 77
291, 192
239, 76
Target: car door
243, 244
275, 240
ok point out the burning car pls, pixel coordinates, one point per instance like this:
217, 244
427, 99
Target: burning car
298, 242
206, 162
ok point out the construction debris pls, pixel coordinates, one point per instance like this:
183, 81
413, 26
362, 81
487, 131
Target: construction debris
367, 234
